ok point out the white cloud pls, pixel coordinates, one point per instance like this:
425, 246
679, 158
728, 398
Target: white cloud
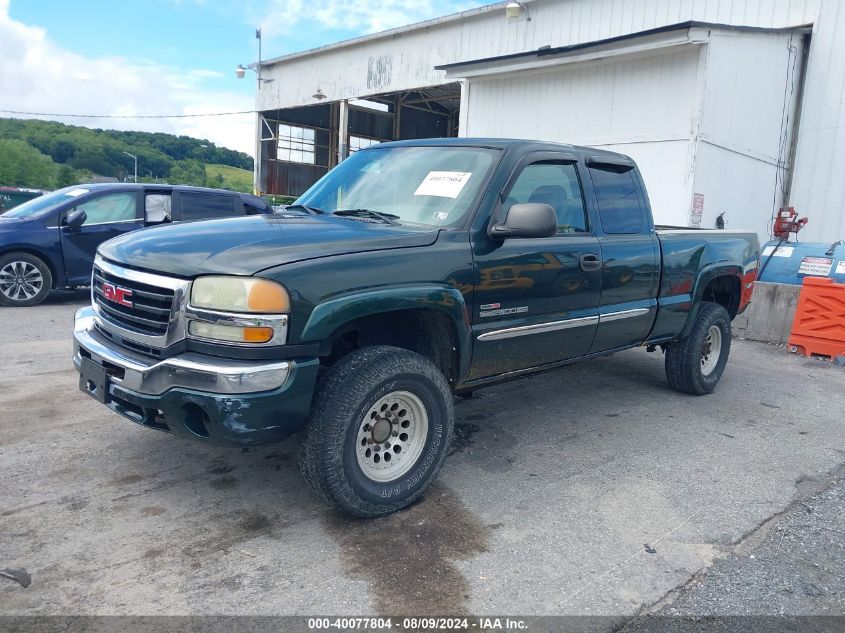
36, 75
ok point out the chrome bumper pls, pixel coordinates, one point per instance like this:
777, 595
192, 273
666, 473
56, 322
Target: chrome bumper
188, 371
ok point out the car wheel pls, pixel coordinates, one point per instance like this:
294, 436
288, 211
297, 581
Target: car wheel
695, 364
379, 431
25, 280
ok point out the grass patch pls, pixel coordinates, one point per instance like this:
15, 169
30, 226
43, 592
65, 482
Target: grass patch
227, 177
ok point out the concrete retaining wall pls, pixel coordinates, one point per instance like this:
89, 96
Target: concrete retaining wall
769, 317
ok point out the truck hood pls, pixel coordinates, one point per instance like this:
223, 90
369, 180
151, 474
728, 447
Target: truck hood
245, 246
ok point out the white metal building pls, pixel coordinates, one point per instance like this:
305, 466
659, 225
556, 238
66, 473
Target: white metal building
730, 107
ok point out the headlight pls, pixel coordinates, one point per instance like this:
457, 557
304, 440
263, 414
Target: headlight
243, 310
239, 294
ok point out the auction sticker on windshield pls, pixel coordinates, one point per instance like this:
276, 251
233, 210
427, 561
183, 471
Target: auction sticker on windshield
444, 184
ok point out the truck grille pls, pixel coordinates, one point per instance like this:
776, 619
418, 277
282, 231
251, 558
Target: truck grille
149, 312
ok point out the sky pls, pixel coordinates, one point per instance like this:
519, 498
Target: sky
154, 57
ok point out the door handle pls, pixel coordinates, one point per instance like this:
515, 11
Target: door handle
589, 263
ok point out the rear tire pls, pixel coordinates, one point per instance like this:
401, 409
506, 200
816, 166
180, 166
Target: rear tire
25, 280
695, 364
379, 430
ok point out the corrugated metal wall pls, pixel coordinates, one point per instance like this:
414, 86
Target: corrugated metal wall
641, 107
405, 60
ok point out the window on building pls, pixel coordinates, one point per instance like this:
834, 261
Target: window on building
295, 144
360, 142
618, 197
206, 206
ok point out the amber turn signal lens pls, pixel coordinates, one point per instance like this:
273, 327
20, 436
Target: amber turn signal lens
267, 297
257, 334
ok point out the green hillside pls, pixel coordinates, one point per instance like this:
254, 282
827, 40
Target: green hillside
228, 177
47, 155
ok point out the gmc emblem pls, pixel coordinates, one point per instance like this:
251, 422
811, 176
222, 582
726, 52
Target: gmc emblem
116, 294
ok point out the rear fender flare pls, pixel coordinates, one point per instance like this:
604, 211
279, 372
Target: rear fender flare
708, 274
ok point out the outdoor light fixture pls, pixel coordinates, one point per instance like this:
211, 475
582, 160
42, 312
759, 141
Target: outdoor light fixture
319, 95
513, 10
240, 71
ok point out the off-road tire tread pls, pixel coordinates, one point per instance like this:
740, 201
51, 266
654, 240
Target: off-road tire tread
337, 397
683, 357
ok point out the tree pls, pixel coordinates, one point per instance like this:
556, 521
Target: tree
66, 176
24, 166
188, 172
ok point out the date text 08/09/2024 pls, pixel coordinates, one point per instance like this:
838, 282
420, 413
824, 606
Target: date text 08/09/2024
416, 624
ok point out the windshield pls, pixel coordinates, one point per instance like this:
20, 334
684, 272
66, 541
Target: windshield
430, 186
44, 203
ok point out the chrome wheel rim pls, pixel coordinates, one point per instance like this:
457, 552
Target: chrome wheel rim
712, 350
391, 436
20, 281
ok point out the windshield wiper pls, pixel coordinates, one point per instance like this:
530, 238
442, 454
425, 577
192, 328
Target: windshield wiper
305, 207
387, 218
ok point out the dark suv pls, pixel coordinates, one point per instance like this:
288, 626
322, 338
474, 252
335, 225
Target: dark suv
50, 242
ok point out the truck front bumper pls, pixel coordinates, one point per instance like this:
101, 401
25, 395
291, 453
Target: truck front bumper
215, 400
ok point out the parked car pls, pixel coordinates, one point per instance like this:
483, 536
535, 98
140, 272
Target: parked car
50, 241
423, 269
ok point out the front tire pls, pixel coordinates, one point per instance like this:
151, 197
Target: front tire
25, 280
695, 364
379, 430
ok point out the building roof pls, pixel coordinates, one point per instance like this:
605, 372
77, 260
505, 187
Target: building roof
446, 19
571, 48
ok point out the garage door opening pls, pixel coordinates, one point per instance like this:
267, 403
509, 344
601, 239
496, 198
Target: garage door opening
299, 145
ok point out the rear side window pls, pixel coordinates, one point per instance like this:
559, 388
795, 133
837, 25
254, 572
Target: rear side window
618, 195
207, 206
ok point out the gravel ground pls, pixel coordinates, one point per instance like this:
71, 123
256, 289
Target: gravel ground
788, 575
594, 490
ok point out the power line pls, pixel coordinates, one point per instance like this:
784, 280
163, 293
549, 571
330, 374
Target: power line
127, 116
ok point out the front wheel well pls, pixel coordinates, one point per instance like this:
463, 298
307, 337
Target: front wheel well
725, 291
430, 333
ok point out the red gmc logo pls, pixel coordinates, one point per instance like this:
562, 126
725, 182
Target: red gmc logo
116, 294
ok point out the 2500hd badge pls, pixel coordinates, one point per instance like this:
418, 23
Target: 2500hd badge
354, 316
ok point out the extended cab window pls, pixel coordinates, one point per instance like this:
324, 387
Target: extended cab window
206, 206
555, 184
111, 207
618, 196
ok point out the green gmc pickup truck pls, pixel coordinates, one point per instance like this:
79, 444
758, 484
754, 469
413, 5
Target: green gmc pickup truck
411, 272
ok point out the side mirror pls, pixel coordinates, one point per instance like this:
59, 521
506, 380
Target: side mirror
529, 219
75, 219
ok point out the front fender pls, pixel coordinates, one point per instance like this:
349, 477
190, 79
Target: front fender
330, 316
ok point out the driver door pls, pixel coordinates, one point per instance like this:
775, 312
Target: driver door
108, 215
536, 299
